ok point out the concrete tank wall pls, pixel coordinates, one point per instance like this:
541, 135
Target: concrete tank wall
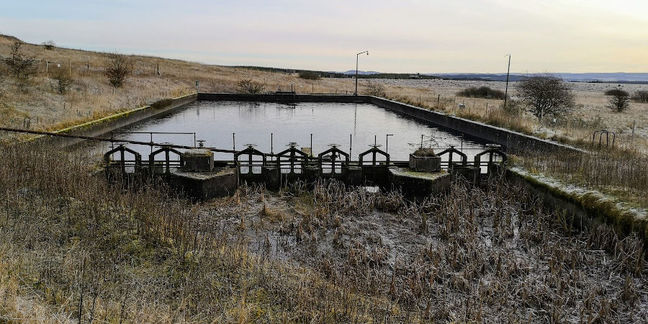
511, 140
103, 126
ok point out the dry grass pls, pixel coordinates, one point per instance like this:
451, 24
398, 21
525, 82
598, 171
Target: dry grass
472, 256
74, 247
591, 112
91, 96
616, 172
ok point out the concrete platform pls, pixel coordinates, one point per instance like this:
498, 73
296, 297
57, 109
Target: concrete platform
419, 184
205, 185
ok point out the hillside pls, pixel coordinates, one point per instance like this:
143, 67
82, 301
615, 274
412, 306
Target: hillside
39, 106
91, 95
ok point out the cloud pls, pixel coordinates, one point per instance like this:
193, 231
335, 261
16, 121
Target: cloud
404, 36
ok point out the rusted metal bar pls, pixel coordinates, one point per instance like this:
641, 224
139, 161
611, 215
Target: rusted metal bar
111, 140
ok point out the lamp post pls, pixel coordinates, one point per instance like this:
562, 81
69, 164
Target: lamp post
508, 70
356, 74
387, 142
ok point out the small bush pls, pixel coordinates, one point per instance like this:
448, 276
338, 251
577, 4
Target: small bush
481, 92
250, 87
118, 69
376, 89
513, 108
49, 45
309, 75
640, 96
63, 81
619, 99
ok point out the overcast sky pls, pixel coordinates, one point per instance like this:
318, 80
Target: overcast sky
402, 36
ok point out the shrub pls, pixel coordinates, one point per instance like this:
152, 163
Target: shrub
640, 96
309, 75
376, 89
250, 87
118, 69
619, 99
482, 92
546, 95
63, 81
513, 107
22, 67
49, 45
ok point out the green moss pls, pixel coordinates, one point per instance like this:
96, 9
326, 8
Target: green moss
597, 207
92, 123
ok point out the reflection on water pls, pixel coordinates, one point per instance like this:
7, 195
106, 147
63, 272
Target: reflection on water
329, 123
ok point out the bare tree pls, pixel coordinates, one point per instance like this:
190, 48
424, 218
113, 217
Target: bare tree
376, 89
251, 87
546, 95
619, 99
21, 66
118, 69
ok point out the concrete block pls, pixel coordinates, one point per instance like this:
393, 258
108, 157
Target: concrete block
425, 163
198, 160
205, 185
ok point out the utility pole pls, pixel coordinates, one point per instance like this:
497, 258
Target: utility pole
356, 74
508, 71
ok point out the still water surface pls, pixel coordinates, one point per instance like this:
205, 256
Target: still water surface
329, 123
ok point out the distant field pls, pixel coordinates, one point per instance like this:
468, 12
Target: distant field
591, 111
91, 96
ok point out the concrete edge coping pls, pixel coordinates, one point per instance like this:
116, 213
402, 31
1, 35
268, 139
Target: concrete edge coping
502, 129
377, 101
608, 206
105, 118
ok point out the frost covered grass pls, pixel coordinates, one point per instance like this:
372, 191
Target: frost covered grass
474, 255
75, 248
617, 172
